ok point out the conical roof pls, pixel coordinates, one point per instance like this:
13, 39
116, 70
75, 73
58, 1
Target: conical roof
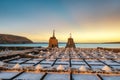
38, 67
107, 68
83, 68
60, 67
17, 66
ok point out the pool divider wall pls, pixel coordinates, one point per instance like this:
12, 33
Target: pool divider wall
26, 61
42, 78
115, 61
87, 64
16, 75
54, 62
12, 59
99, 77
39, 62
105, 63
71, 78
8, 57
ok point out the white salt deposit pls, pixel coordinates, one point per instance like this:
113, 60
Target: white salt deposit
107, 68
38, 67
60, 67
17, 66
1, 63
83, 68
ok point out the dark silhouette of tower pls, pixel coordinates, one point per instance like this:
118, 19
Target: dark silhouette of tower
70, 43
53, 42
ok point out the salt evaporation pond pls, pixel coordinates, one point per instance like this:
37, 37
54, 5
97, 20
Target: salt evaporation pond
116, 67
7, 75
24, 59
16, 61
37, 59
57, 77
19, 60
97, 67
30, 76
46, 65
61, 62
26, 65
109, 62
77, 62
47, 62
117, 61
93, 62
111, 77
32, 61
78, 66
84, 77
65, 66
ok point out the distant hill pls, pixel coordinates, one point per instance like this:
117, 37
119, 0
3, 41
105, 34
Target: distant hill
13, 39
112, 43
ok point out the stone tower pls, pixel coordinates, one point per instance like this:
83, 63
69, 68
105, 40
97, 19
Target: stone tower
70, 43
53, 42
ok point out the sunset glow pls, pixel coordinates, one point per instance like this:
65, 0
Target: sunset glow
87, 20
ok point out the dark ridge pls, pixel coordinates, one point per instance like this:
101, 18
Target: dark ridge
13, 39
